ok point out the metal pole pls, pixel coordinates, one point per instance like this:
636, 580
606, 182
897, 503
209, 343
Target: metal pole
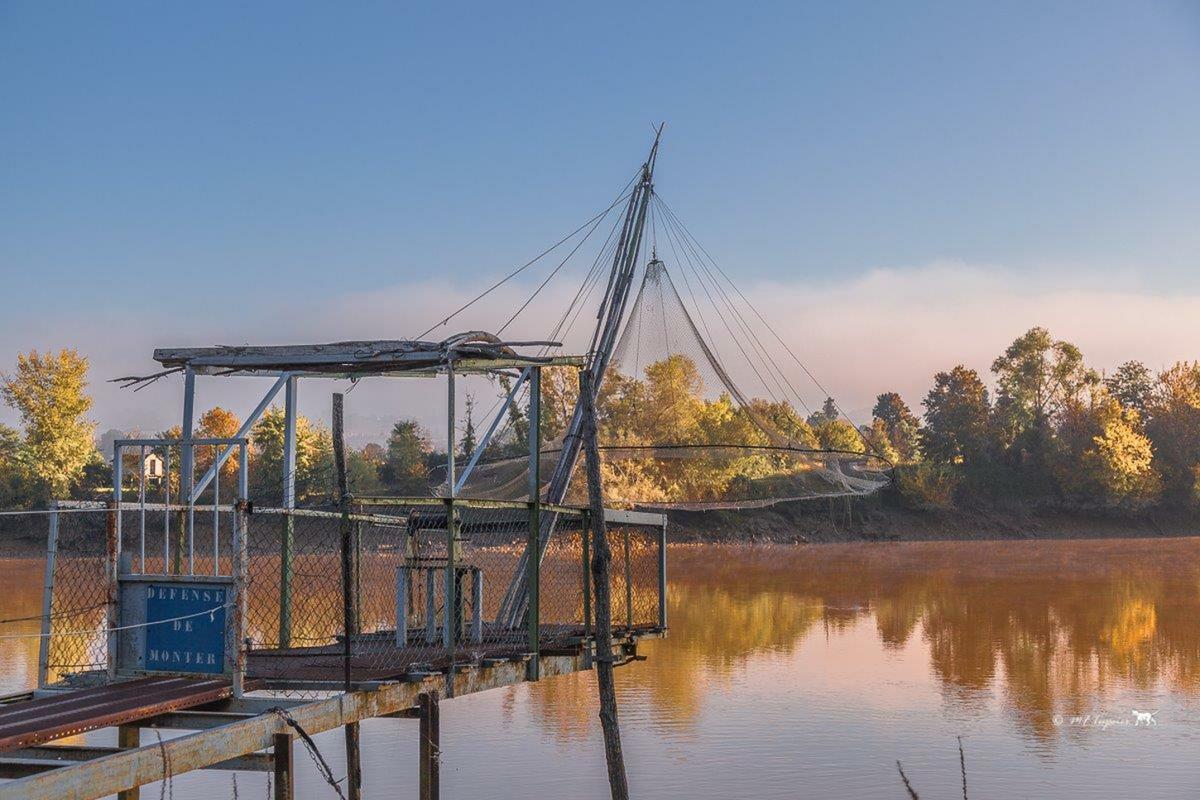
112, 559
187, 470
449, 603
48, 598
289, 503
216, 551
450, 432
142, 507
662, 576
241, 572
533, 548
586, 533
430, 606
628, 583
166, 565
402, 577
118, 489
476, 605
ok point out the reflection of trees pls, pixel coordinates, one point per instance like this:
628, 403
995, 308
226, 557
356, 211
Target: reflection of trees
1055, 626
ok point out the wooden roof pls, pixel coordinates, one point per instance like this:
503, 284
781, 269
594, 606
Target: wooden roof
473, 351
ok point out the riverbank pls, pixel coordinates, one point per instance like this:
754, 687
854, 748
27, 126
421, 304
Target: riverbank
817, 522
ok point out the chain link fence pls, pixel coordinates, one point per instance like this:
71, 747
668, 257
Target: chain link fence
429, 583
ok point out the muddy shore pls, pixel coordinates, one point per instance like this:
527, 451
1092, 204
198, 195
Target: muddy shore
815, 523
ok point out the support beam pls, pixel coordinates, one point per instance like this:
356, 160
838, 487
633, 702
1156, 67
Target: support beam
533, 564
288, 486
242, 433
187, 468
48, 597
491, 431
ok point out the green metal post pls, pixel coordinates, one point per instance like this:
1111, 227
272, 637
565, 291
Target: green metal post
533, 548
662, 576
628, 584
586, 533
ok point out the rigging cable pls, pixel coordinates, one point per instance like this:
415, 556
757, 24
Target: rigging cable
761, 319
527, 264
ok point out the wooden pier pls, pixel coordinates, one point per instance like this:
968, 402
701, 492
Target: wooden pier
247, 733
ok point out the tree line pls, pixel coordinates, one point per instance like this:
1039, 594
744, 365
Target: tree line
1048, 428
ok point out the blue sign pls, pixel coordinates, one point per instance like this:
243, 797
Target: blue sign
185, 630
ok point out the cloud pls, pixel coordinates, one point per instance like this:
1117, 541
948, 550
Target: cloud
888, 329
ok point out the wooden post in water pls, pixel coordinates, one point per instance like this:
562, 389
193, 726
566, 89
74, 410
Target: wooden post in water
129, 737
353, 762
285, 784
601, 561
429, 776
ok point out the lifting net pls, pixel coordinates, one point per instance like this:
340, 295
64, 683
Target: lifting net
674, 429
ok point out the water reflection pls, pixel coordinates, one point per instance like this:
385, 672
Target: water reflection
1051, 628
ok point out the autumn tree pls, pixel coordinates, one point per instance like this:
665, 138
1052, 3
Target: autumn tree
1174, 428
49, 391
218, 423
956, 418
1101, 453
900, 425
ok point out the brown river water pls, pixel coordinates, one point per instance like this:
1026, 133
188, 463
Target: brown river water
794, 672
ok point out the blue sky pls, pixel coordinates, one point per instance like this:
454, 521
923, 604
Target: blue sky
188, 172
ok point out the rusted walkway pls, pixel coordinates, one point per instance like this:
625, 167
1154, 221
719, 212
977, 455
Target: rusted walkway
31, 722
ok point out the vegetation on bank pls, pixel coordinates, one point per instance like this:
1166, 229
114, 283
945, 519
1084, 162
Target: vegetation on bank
1049, 428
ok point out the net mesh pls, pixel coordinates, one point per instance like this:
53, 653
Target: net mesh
675, 431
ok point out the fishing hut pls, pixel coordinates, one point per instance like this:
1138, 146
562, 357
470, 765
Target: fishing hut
183, 604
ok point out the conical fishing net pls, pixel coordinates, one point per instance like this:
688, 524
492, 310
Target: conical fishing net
674, 429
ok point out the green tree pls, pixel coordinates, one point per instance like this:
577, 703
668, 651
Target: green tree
879, 441
49, 391
405, 468
15, 483
469, 439
1132, 386
901, 426
314, 458
1037, 376
828, 413
956, 418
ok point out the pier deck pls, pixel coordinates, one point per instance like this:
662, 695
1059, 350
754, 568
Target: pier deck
230, 733
68, 713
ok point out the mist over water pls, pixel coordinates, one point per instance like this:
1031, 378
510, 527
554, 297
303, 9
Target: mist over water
808, 671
